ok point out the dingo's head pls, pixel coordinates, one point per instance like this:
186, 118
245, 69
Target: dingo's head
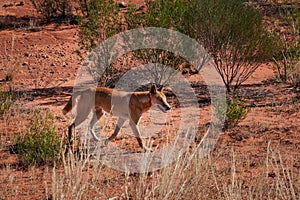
158, 98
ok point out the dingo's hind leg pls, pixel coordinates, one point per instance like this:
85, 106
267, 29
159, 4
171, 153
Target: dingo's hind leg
71, 136
96, 116
83, 110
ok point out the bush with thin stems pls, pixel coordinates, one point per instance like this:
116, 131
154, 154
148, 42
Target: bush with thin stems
288, 58
233, 34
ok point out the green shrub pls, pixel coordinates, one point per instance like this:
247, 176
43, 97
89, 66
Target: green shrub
235, 113
233, 34
40, 145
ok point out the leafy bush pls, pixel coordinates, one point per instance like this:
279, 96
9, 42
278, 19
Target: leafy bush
233, 34
40, 145
236, 112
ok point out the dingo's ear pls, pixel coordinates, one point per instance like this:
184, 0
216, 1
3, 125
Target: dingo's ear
153, 89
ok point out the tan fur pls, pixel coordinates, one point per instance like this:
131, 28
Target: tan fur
125, 105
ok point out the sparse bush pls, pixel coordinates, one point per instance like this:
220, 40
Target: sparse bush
286, 61
233, 34
40, 145
289, 39
53, 8
6, 101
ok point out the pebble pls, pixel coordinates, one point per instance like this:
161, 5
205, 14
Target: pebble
27, 54
24, 63
122, 4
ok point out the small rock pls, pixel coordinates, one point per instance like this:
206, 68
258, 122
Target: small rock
27, 54
25, 64
21, 3
271, 174
122, 4
8, 5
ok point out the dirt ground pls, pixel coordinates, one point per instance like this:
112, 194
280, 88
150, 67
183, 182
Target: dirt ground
41, 62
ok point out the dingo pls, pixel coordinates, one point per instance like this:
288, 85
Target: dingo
125, 105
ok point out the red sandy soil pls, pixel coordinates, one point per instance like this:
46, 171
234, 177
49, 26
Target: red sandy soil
42, 63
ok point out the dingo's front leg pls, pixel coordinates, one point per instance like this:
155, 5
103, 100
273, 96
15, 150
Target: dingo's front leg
138, 136
119, 125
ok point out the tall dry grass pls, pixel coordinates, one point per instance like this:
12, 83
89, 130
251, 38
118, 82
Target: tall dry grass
189, 177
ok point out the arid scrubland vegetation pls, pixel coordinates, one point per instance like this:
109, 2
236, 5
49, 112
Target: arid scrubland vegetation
255, 46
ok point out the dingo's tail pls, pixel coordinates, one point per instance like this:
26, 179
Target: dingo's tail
70, 103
